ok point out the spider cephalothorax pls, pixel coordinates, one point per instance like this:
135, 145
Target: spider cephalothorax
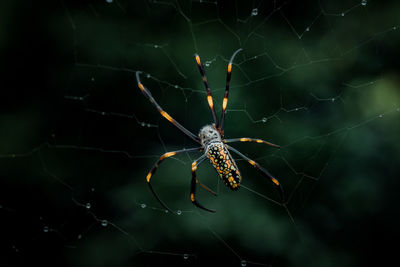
209, 134
212, 143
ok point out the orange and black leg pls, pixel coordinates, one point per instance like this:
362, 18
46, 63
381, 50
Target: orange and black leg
193, 185
228, 80
154, 169
264, 172
246, 139
209, 96
148, 95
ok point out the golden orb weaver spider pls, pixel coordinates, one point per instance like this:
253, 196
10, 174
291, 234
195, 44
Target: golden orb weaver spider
212, 143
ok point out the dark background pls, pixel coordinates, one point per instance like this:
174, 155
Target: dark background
77, 138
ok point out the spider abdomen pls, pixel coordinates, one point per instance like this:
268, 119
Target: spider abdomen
224, 164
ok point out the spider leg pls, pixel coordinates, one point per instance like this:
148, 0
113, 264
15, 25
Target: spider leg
199, 161
148, 95
246, 139
263, 172
154, 169
209, 96
193, 185
228, 79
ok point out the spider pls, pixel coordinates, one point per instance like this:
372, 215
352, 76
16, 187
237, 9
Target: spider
213, 144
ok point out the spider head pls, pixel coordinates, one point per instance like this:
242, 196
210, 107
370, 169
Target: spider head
209, 134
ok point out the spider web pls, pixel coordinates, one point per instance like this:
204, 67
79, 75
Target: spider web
319, 78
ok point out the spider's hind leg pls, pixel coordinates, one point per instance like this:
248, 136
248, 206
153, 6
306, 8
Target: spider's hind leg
193, 185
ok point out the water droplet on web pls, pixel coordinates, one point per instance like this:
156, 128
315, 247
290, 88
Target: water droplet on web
92, 189
398, 109
166, 211
104, 223
333, 99
185, 256
92, 79
46, 229
380, 115
254, 12
109, 1
243, 263
264, 120
79, 236
148, 75
143, 124
207, 63
176, 86
155, 46
149, 125
394, 28
88, 205
342, 14
179, 212
103, 113
307, 29
143, 205
364, 2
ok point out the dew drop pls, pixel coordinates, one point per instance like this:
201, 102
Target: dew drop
148, 75
104, 223
307, 29
143, 124
176, 86
254, 12
143, 205
398, 109
92, 79
364, 2
79, 236
380, 115
46, 229
243, 263
179, 212
149, 125
166, 211
155, 46
103, 113
342, 14
333, 99
88, 205
185, 256
92, 189
207, 63
109, 1
394, 28
264, 120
